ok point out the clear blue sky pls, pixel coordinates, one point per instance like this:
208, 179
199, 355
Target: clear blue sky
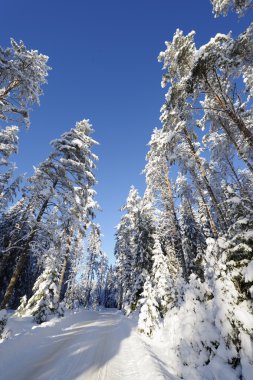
103, 56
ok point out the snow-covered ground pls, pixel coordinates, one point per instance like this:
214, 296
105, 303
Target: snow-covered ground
88, 345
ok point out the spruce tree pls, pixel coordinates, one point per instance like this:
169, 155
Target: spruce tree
66, 179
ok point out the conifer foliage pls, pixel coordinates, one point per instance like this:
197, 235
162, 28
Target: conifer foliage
184, 251
43, 234
195, 273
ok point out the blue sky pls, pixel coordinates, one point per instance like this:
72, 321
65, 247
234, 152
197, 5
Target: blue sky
103, 56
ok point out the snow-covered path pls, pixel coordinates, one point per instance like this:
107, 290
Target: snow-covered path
86, 345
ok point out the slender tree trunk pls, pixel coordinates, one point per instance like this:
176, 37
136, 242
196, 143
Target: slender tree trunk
24, 255
61, 280
205, 179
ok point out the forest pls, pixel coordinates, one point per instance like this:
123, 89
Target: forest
184, 250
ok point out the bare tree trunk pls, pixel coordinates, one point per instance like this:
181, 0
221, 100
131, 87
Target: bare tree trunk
63, 270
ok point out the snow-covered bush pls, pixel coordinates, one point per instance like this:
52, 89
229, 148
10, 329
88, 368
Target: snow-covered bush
209, 328
209, 333
149, 313
228, 263
196, 348
21, 309
45, 300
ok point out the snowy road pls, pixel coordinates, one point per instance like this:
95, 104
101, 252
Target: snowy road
86, 345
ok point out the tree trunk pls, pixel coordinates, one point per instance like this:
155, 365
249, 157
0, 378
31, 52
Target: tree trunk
61, 280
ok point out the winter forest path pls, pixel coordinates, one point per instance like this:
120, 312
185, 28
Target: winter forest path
87, 345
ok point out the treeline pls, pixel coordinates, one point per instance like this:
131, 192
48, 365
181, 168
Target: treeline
186, 248
45, 219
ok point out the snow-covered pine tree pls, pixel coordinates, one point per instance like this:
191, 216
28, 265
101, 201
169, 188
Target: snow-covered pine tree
142, 263
160, 291
159, 193
22, 74
126, 249
110, 288
94, 254
73, 294
165, 271
246, 179
15, 227
95, 272
213, 70
44, 301
8, 146
203, 220
46, 252
222, 7
229, 275
10, 223
65, 179
21, 309
101, 274
149, 312
193, 239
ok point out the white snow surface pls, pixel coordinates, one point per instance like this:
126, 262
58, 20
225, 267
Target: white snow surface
103, 345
